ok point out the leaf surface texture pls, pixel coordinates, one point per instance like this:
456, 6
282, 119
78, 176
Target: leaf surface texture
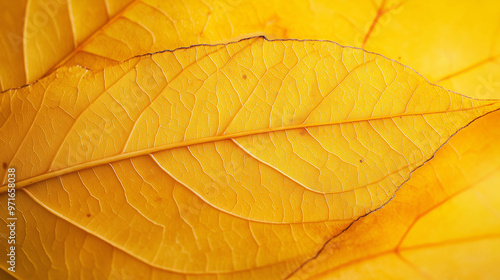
455, 46
279, 143
442, 223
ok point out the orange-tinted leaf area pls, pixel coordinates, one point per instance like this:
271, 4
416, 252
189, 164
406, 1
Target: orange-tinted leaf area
444, 223
257, 159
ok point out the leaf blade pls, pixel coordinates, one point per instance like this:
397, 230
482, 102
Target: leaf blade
196, 184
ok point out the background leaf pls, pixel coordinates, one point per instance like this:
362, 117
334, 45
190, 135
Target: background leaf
36, 35
451, 43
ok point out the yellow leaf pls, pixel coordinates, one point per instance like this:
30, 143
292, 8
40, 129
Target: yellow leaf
453, 45
455, 42
442, 224
36, 35
234, 160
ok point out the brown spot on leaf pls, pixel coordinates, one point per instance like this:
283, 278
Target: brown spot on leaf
88, 215
303, 132
4, 165
244, 77
361, 161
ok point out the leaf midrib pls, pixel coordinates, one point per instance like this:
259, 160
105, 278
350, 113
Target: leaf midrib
48, 175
